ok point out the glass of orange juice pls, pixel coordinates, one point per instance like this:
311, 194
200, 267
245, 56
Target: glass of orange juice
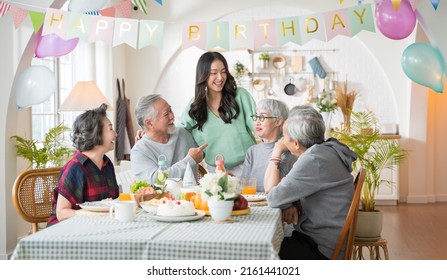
124, 196
248, 185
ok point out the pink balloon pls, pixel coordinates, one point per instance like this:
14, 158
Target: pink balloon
395, 24
53, 45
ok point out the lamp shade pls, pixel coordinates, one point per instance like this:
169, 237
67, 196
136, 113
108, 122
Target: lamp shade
84, 96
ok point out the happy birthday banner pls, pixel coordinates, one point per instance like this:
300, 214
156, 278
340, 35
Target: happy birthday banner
103, 26
226, 35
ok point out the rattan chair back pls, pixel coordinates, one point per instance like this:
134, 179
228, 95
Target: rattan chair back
32, 194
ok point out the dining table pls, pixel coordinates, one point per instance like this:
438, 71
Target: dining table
96, 236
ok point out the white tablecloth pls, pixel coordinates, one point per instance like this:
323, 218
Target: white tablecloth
255, 236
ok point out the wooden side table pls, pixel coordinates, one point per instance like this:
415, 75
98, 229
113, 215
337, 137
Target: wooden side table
373, 247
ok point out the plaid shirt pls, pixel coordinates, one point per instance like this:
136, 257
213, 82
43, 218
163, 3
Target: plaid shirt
81, 180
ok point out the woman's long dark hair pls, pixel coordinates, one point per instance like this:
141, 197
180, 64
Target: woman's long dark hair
228, 108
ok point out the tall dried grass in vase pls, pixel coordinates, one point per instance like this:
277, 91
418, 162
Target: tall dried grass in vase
345, 101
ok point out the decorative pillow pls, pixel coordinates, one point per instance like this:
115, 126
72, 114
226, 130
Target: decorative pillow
317, 68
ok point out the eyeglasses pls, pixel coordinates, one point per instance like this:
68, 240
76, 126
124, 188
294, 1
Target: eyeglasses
261, 118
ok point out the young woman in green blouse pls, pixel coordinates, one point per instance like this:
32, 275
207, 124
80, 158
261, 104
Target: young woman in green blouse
220, 114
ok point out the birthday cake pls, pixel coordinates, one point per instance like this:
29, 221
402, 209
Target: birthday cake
176, 208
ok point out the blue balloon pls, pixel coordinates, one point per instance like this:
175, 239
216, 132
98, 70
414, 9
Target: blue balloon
424, 65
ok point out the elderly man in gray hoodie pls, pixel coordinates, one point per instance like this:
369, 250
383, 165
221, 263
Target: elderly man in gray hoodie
316, 194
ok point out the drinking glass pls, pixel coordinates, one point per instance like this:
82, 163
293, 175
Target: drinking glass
248, 185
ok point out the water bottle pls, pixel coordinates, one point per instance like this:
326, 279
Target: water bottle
162, 172
220, 164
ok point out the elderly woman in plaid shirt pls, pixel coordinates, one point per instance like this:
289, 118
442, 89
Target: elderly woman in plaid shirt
89, 175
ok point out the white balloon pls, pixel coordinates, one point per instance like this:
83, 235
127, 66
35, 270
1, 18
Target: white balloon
34, 85
82, 6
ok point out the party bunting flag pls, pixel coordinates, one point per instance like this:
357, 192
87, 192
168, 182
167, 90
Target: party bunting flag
141, 4
414, 4
341, 1
37, 20
396, 4
337, 23
124, 8
19, 15
92, 13
159, 2
125, 31
151, 33
109, 12
4, 8
435, 4
104, 27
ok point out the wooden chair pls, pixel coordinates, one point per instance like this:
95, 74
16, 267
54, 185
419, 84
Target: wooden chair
346, 237
32, 194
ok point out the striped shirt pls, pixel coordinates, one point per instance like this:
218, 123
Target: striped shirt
81, 180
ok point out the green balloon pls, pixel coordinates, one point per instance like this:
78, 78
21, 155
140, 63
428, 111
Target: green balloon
424, 65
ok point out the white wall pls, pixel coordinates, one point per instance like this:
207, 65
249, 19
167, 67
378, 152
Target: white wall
8, 233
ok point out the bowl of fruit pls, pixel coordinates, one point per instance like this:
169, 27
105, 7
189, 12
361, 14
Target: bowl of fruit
143, 191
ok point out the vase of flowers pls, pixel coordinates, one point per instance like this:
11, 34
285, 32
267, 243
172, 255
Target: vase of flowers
220, 190
326, 104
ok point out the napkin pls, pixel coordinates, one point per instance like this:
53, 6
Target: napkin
188, 178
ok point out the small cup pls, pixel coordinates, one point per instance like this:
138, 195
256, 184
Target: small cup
248, 185
123, 211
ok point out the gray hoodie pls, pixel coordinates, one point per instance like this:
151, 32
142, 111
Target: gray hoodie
321, 179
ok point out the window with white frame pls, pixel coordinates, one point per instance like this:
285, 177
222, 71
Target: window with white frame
45, 115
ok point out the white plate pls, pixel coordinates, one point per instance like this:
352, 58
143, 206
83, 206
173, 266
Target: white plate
97, 206
199, 215
152, 209
254, 197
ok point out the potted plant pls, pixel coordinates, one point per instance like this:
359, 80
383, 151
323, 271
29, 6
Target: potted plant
47, 153
240, 71
264, 58
375, 155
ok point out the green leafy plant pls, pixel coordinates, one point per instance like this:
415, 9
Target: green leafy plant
264, 56
47, 153
240, 70
374, 154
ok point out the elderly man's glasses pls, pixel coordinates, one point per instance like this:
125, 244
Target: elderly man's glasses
261, 118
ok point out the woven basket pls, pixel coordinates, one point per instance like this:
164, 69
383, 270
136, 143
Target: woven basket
145, 197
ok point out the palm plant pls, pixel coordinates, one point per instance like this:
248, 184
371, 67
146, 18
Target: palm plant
47, 153
374, 154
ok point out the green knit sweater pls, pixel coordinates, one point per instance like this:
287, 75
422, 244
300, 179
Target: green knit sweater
229, 139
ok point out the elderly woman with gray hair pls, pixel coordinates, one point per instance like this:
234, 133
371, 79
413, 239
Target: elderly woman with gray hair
320, 180
161, 136
89, 175
268, 120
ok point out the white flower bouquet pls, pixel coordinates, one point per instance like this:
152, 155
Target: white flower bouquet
221, 185
325, 102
